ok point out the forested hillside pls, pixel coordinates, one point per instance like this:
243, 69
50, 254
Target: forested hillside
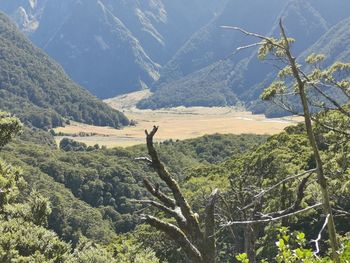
107, 179
87, 192
90, 191
209, 66
37, 90
334, 44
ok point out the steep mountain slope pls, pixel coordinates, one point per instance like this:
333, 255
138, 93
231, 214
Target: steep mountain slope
92, 42
258, 16
111, 47
335, 44
163, 26
235, 72
36, 89
212, 43
240, 75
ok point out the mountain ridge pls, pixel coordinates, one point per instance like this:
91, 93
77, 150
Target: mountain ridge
113, 58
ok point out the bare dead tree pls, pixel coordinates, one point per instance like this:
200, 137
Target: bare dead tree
195, 235
251, 217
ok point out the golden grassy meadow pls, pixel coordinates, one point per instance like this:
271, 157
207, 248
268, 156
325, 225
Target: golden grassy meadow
175, 123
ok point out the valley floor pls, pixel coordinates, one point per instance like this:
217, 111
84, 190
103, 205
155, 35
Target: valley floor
175, 123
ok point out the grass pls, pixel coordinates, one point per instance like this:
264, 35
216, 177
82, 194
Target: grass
175, 123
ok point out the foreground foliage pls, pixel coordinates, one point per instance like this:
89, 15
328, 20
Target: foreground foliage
84, 194
25, 236
292, 247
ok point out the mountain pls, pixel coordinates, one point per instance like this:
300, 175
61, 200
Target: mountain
111, 47
178, 49
203, 68
37, 90
212, 43
334, 44
199, 67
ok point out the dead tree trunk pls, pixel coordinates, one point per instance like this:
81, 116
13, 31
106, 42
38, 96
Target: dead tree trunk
197, 242
249, 242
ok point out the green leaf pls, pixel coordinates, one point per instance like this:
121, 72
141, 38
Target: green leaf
242, 258
315, 58
278, 87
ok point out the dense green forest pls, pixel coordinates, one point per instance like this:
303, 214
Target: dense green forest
107, 178
36, 89
85, 194
89, 201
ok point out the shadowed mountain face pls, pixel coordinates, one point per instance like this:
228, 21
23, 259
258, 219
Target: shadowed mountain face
37, 90
111, 47
335, 43
212, 43
176, 48
204, 65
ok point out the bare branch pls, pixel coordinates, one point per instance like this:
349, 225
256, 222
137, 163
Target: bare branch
297, 203
177, 235
229, 212
209, 250
341, 88
330, 127
271, 219
258, 196
249, 46
341, 212
319, 236
267, 39
330, 99
242, 48
144, 159
174, 213
286, 107
283, 181
167, 201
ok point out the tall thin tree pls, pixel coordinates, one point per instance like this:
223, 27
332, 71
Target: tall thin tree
319, 82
